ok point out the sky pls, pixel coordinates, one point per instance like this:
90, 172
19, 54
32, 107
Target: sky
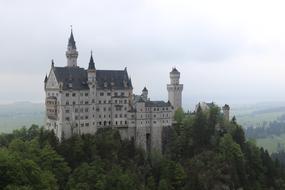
227, 51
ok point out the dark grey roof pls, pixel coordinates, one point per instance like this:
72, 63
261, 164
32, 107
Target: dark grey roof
174, 70
157, 104
91, 63
226, 106
72, 77
144, 89
71, 41
76, 78
117, 79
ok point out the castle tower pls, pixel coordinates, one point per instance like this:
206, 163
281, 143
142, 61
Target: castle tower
175, 89
71, 53
226, 111
91, 80
91, 71
144, 94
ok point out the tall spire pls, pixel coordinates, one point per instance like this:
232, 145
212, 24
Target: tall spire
71, 41
91, 62
71, 53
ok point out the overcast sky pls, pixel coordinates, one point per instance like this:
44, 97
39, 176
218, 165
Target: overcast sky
227, 51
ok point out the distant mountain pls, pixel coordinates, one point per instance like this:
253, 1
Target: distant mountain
19, 114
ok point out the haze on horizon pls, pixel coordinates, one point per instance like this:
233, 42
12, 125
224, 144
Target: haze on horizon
227, 52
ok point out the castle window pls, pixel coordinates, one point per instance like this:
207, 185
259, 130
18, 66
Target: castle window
116, 122
99, 101
109, 122
109, 94
67, 94
99, 116
86, 124
86, 117
122, 94
154, 121
73, 94
76, 117
121, 122
154, 115
86, 102
81, 94
125, 101
104, 116
86, 109
73, 103
86, 94
97, 109
109, 101
116, 93
93, 100
104, 109
121, 115
104, 101
116, 116
67, 118
125, 115
67, 103
101, 93
126, 122
116, 101
67, 111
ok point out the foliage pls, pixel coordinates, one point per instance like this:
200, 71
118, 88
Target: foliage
202, 152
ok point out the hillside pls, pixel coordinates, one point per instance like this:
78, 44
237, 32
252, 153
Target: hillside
201, 152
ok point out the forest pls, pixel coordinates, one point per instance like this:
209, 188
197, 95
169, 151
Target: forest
201, 151
268, 128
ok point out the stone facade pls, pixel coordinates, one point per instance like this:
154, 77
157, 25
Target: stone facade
175, 89
80, 101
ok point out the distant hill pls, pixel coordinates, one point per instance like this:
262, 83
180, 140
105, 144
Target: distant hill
19, 114
256, 115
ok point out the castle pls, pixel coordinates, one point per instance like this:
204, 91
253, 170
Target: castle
81, 101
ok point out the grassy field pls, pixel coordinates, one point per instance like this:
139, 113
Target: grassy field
256, 120
271, 143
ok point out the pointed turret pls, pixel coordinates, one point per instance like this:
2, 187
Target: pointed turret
91, 72
52, 64
71, 41
144, 94
91, 63
46, 79
71, 53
